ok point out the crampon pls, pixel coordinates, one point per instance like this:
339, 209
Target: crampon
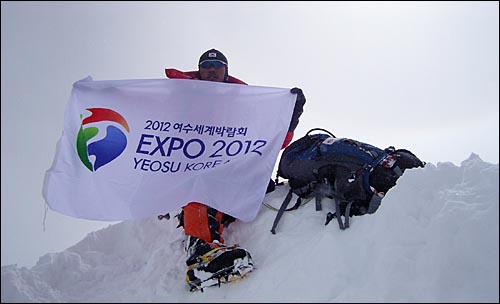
220, 265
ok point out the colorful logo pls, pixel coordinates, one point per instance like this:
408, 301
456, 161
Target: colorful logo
106, 149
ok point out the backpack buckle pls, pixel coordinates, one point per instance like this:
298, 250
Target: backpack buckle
389, 161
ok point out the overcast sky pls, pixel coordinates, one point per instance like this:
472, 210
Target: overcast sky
416, 75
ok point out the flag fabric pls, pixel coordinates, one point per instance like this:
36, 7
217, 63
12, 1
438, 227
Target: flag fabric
134, 149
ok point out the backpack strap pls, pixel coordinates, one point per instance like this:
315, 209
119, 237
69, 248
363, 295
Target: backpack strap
320, 129
369, 168
337, 214
282, 209
347, 211
318, 202
374, 203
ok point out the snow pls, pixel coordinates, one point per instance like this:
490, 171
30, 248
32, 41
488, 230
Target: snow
434, 239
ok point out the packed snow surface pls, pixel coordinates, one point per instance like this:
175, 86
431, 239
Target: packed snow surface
434, 239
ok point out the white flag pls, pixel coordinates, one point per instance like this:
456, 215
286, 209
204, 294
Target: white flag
139, 148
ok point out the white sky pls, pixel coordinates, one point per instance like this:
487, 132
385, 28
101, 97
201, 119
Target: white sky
416, 75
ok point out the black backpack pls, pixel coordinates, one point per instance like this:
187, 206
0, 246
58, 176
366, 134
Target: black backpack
355, 175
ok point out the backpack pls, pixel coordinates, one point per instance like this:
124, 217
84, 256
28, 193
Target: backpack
354, 174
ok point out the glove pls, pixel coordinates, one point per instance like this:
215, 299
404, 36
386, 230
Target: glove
298, 109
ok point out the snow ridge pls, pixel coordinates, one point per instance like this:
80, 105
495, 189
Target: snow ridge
433, 239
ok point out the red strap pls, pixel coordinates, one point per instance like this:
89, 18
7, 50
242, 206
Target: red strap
288, 139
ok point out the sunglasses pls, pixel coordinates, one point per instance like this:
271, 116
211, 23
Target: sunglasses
206, 64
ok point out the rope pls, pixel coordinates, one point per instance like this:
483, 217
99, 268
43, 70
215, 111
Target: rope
304, 201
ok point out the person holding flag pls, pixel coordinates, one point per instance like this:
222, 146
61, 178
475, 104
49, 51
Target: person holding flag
209, 261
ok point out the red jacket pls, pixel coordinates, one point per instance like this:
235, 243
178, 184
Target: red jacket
173, 73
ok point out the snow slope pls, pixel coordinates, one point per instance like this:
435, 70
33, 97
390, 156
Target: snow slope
434, 239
